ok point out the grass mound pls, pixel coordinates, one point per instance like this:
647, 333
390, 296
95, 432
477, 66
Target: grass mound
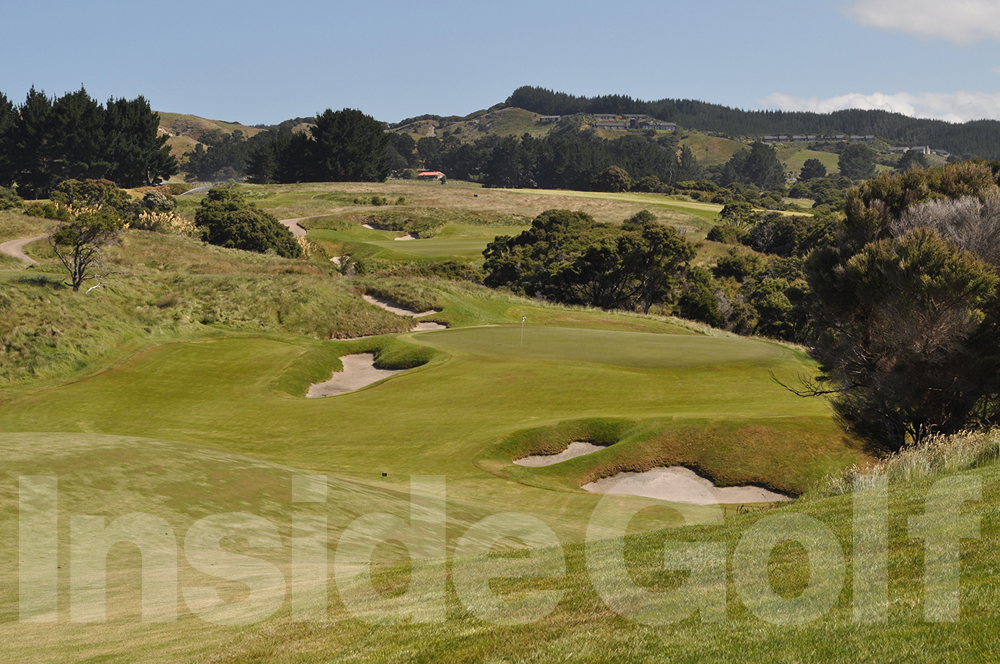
790, 455
315, 364
415, 295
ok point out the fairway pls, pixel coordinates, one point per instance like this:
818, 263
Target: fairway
448, 247
623, 349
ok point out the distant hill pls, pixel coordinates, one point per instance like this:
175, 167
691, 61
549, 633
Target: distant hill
977, 138
498, 121
186, 131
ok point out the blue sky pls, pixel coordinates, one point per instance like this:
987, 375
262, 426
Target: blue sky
263, 62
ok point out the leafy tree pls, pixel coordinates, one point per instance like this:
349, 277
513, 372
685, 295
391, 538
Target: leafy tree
33, 149
406, 147
912, 159
8, 124
101, 195
429, 150
74, 137
613, 179
568, 257
698, 300
910, 314
812, 168
655, 254
77, 136
737, 265
690, 169
758, 166
857, 162
227, 220
343, 146
650, 184
738, 214
9, 199
799, 190
262, 164
509, 165
349, 146
532, 263
79, 244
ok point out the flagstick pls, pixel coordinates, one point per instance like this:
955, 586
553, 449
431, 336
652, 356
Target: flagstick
522, 329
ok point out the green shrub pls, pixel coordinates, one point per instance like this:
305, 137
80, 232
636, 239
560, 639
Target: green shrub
9, 199
728, 234
227, 220
48, 211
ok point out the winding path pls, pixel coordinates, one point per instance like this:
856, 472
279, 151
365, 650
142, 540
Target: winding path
15, 248
293, 224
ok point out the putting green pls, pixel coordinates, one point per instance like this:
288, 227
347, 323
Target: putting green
622, 349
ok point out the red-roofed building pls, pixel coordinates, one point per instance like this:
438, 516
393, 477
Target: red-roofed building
430, 175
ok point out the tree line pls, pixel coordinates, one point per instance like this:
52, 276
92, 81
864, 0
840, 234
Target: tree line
566, 160
977, 138
47, 140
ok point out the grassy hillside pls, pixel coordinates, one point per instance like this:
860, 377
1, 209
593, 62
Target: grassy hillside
177, 390
186, 131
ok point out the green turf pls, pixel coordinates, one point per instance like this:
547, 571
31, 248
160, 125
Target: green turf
794, 160
623, 349
178, 391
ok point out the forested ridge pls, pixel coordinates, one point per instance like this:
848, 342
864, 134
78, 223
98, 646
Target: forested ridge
979, 138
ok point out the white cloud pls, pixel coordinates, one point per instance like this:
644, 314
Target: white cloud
950, 106
961, 21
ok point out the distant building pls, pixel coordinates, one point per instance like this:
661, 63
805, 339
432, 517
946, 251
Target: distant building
657, 125
605, 116
430, 175
862, 139
611, 125
775, 139
547, 119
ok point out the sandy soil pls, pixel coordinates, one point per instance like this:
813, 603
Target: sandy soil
574, 450
680, 485
404, 238
367, 226
15, 248
388, 305
359, 370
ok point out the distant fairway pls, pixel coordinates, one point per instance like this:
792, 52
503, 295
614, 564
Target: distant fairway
454, 241
443, 248
623, 349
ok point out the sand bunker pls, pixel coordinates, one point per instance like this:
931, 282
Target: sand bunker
367, 226
574, 450
423, 327
404, 238
680, 485
359, 370
388, 305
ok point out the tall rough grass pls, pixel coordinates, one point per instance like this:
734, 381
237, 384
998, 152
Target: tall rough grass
937, 455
